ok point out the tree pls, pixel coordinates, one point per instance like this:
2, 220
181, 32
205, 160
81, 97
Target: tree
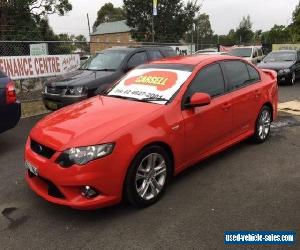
244, 32
108, 13
277, 34
294, 28
28, 18
204, 32
174, 19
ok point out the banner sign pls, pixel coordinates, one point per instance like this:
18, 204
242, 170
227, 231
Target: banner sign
151, 83
154, 7
40, 49
24, 67
285, 47
226, 48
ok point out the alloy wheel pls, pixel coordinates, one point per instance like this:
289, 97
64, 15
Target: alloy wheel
264, 124
151, 176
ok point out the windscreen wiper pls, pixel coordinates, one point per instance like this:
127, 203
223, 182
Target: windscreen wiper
99, 69
155, 99
123, 97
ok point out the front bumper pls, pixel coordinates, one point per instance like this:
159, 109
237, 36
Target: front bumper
284, 77
10, 116
63, 185
54, 102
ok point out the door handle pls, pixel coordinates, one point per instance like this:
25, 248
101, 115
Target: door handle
226, 106
257, 93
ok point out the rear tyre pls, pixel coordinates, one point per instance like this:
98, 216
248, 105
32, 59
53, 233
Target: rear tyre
263, 125
147, 177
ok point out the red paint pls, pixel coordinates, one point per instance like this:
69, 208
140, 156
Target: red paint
201, 132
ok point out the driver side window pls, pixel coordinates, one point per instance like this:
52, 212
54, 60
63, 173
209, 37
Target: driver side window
137, 59
209, 80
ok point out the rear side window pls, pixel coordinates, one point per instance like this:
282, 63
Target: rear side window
154, 55
209, 80
254, 75
137, 59
169, 53
237, 74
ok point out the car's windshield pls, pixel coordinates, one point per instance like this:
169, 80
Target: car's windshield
280, 57
156, 83
106, 60
241, 52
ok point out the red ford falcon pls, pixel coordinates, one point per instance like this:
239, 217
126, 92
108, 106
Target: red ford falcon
155, 122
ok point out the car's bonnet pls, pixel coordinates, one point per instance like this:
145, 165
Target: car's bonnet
79, 77
275, 65
89, 122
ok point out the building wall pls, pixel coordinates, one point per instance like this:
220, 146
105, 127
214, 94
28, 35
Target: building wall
100, 42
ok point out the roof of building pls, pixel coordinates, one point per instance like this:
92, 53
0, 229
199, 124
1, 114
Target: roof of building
111, 27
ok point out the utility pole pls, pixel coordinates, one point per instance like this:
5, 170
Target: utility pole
89, 27
88, 20
153, 32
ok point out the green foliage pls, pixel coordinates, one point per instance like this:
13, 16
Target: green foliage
108, 13
174, 19
28, 18
277, 34
244, 32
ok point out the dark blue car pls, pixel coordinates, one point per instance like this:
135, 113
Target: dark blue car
10, 107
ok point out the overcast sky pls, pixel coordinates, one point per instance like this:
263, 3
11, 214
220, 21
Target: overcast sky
224, 14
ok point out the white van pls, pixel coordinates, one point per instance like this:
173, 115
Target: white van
253, 54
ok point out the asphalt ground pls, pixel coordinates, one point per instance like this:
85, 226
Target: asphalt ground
248, 187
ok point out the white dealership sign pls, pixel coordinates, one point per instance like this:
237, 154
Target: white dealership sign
24, 67
39, 49
184, 50
151, 83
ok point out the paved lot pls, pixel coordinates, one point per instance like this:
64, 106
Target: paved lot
249, 187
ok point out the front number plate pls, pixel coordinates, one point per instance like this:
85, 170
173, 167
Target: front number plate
31, 168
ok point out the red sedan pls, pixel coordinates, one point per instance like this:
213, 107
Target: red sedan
155, 122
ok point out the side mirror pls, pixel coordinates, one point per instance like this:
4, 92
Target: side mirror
198, 100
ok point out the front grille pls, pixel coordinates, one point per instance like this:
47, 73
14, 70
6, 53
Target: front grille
41, 149
56, 90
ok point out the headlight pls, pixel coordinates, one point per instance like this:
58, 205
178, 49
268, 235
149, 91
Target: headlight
284, 71
76, 91
83, 155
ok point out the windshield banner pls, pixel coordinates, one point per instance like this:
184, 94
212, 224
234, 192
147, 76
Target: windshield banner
24, 67
150, 83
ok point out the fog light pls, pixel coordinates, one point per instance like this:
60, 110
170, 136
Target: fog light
88, 192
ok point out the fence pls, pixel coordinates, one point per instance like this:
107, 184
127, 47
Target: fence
30, 89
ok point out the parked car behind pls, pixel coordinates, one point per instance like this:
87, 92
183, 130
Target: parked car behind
286, 63
253, 54
158, 120
10, 107
98, 73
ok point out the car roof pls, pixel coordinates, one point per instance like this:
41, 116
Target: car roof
132, 48
195, 59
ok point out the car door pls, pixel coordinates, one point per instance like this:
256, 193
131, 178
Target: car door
242, 80
209, 126
137, 59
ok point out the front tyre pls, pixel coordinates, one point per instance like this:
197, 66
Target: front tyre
293, 78
148, 176
263, 125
